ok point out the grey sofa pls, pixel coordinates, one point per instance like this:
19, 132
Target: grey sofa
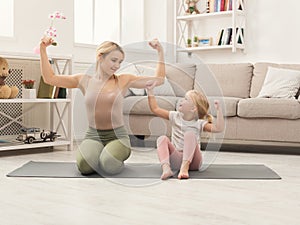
249, 120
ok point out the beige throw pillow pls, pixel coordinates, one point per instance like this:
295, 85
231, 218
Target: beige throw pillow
280, 83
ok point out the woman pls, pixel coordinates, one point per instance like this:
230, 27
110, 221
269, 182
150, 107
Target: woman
106, 145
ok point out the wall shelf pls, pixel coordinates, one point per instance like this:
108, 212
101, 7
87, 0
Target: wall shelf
205, 48
201, 25
15, 146
34, 100
210, 15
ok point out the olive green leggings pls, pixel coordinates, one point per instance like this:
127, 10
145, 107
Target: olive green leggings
103, 151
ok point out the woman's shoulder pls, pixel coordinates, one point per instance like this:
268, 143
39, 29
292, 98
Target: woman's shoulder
126, 76
79, 76
84, 80
125, 79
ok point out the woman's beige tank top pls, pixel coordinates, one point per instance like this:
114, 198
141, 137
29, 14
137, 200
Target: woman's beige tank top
104, 108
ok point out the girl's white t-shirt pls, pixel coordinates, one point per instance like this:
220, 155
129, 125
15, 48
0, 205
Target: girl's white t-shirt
181, 126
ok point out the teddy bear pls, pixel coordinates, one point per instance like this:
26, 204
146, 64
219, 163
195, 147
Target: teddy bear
5, 90
192, 7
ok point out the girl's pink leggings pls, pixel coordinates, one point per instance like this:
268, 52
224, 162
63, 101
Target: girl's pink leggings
191, 152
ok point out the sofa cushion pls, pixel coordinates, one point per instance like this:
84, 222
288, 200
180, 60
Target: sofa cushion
280, 83
138, 105
181, 77
164, 90
149, 69
232, 80
230, 103
269, 108
259, 74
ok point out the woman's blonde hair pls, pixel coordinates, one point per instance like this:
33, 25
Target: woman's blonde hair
105, 48
201, 103
108, 46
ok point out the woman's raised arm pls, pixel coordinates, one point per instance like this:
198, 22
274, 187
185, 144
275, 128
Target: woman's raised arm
66, 81
160, 72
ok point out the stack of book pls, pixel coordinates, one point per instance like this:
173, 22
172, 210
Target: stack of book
49, 91
225, 36
219, 5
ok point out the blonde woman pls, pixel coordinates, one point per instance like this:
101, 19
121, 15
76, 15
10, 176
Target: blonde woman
106, 145
183, 152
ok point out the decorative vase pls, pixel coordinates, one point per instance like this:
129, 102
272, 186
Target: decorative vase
28, 93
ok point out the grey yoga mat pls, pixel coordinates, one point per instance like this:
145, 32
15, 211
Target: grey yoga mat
143, 170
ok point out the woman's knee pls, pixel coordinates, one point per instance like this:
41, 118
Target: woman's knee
113, 156
109, 163
82, 165
119, 149
87, 156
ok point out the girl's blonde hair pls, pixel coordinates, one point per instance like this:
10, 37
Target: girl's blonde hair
202, 105
105, 48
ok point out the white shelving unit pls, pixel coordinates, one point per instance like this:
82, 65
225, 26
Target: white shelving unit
185, 27
60, 109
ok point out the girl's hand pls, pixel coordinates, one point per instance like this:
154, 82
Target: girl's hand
155, 44
46, 41
150, 84
217, 104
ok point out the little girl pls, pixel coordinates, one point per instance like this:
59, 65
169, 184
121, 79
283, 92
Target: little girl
192, 117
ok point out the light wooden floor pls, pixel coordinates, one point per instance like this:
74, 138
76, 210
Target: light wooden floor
43, 201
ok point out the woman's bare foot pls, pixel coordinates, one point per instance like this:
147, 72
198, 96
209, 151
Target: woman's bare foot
184, 170
167, 172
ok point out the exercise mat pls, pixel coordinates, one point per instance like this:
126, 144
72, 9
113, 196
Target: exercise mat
144, 170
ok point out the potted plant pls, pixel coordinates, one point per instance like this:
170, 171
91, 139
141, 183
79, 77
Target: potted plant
28, 91
196, 44
189, 42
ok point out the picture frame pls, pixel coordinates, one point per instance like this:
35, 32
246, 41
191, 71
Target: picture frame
205, 41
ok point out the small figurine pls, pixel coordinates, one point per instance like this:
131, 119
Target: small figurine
192, 7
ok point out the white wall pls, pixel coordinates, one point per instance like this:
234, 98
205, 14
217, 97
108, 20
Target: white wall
273, 32
31, 20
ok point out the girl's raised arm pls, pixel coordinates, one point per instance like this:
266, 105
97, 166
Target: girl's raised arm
153, 104
220, 124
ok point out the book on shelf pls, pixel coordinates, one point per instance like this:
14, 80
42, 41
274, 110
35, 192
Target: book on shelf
211, 6
62, 93
45, 90
225, 36
239, 35
220, 5
228, 36
219, 38
49, 91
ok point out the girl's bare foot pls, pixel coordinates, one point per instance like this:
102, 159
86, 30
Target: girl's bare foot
167, 172
184, 170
